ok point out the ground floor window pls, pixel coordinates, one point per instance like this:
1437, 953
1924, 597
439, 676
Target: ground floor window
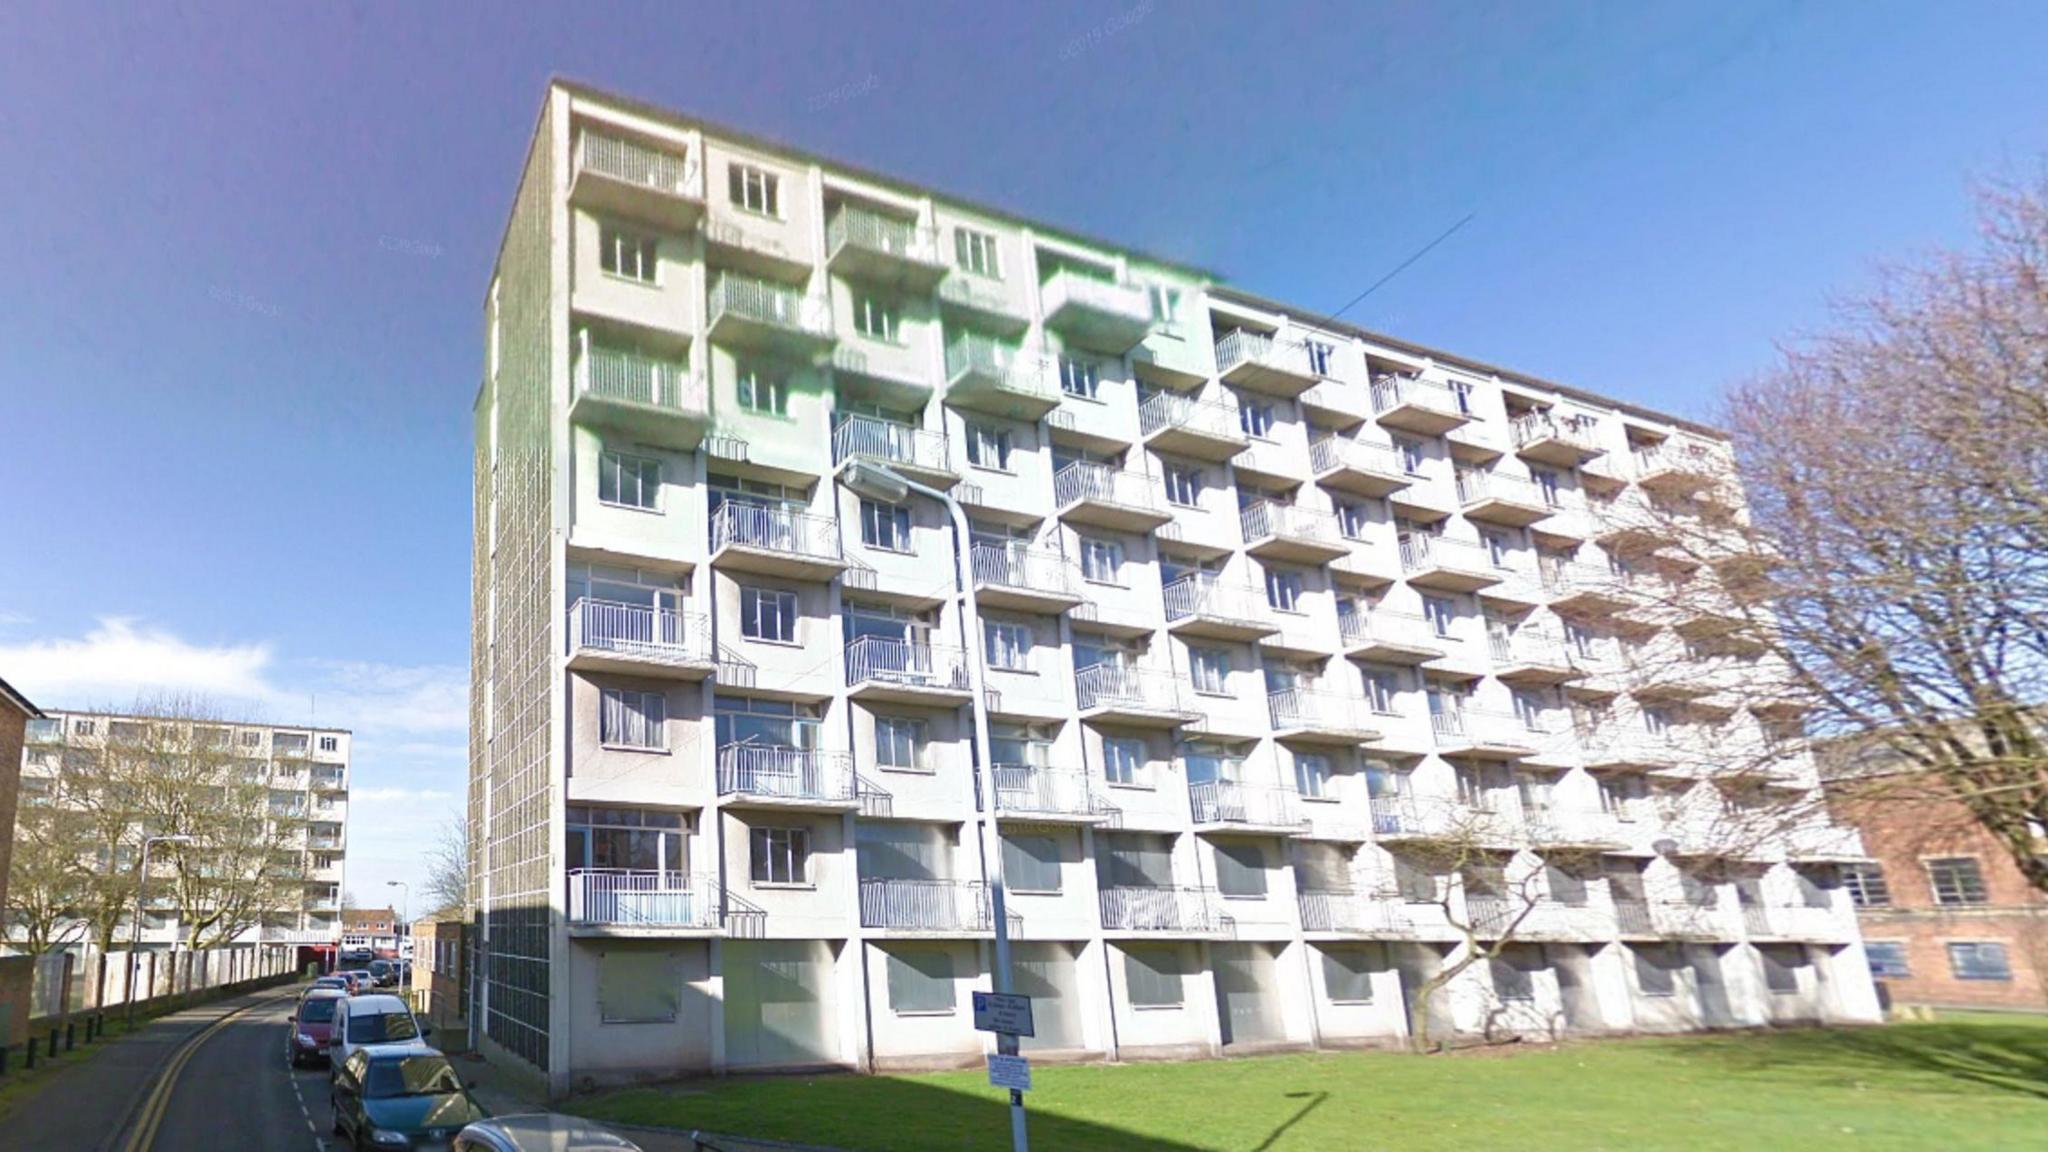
1979, 960
637, 987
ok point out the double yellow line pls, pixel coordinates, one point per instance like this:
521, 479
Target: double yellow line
159, 1099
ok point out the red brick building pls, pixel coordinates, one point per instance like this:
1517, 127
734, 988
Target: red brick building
1947, 919
15, 713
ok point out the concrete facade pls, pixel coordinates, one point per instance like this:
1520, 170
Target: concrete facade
1267, 604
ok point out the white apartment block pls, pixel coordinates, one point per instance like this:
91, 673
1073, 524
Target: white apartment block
1268, 603
306, 771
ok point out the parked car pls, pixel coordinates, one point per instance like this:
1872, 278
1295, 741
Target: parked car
372, 1021
539, 1132
402, 1096
338, 983
364, 981
312, 1025
385, 973
354, 957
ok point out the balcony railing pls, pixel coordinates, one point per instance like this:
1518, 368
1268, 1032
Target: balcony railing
1022, 568
773, 529
1086, 480
1534, 427
924, 905
1204, 594
1316, 709
777, 305
888, 441
1025, 789
1163, 909
635, 163
1231, 802
999, 365
1693, 459
1475, 486
1481, 726
1533, 646
1144, 689
1563, 827
1242, 346
646, 899
637, 378
1420, 551
1409, 630
1355, 912
1066, 288
1173, 410
880, 659
876, 232
779, 772
1263, 518
1392, 391
1334, 452
1490, 914
640, 631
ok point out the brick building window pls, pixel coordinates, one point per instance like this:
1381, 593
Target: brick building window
1887, 959
1979, 960
1957, 880
1866, 885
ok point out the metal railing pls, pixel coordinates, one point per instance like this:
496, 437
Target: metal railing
1242, 346
637, 378
1334, 452
767, 303
1420, 551
1029, 789
1564, 826
641, 631
1232, 802
1065, 286
1086, 480
1388, 626
1005, 365
1022, 568
1316, 708
1527, 645
1263, 518
1469, 725
877, 232
1391, 391
1354, 912
872, 438
1162, 909
1164, 410
775, 529
1475, 485
636, 163
1534, 426
1205, 594
621, 896
1632, 917
884, 660
1695, 458
1109, 686
924, 905
1489, 913
780, 772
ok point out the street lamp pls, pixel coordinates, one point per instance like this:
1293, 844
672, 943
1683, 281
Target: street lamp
884, 484
135, 941
404, 910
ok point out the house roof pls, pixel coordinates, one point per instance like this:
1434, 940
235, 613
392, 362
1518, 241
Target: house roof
368, 916
20, 702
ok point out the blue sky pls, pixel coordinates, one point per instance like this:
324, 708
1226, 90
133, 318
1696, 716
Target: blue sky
246, 249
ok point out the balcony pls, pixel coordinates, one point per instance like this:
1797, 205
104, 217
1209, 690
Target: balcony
616, 176
986, 303
1531, 656
1356, 466
915, 452
1479, 733
1824, 844
1165, 911
778, 776
760, 314
1228, 806
1413, 404
1440, 562
1093, 313
1673, 468
1257, 361
1182, 425
1387, 636
1022, 578
775, 541
654, 399
984, 374
925, 907
1307, 715
1500, 498
1584, 588
1347, 913
1203, 604
1040, 795
898, 671
330, 781
639, 640
1546, 439
1562, 827
1408, 818
1614, 749
876, 247
1135, 696
1803, 922
620, 898
1674, 920
1274, 531
1099, 496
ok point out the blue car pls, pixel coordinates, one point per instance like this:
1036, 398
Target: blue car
400, 1096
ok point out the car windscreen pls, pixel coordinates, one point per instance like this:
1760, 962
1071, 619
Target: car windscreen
382, 1028
319, 1011
411, 1076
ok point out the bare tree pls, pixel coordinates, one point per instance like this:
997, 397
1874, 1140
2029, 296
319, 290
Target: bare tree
447, 882
49, 881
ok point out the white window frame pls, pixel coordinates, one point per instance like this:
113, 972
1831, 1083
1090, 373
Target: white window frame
977, 253
982, 439
630, 719
1284, 590
1008, 645
1097, 555
1126, 763
753, 615
895, 734
631, 256
1209, 670
877, 319
1312, 775
787, 850
755, 189
1080, 376
1183, 484
885, 527
760, 393
613, 466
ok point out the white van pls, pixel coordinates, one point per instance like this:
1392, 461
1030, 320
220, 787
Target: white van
371, 1021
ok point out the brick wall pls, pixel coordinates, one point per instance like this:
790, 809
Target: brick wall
13, 723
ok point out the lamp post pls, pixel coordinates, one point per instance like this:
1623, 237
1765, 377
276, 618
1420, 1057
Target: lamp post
404, 913
878, 482
135, 941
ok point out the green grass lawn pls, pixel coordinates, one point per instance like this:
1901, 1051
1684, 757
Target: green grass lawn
1964, 1082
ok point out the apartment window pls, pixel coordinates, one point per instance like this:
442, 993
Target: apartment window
885, 526
1079, 376
1566, 886
628, 481
768, 614
1031, 864
638, 987
1210, 669
1656, 971
876, 319
1102, 561
1347, 975
754, 189
1409, 450
1511, 981
626, 254
1887, 959
1354, 520
1498, 549
1240, 870
1283, 589
90, 727
1152, 977
1165, 304
1319, 357
1781, 975
976, 252
1123, 761
781, 855
900, 743
1979, 960
1312, 774
761, 392
1546, 483
330, 744
1656, 721
1462, 393
921, 982
1255, 417
1382, 686
1440, 613
1184, 484
988, 447
1008, 644
1957, 880
632, 719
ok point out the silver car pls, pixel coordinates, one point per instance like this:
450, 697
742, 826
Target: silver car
538, 1132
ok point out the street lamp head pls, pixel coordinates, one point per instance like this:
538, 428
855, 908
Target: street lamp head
874, 482
178, 839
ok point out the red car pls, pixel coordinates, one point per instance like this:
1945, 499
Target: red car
312, 1026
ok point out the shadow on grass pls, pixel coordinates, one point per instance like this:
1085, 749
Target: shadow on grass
2001, 1057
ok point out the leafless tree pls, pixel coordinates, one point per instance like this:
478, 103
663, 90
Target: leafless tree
49, 881
447, 883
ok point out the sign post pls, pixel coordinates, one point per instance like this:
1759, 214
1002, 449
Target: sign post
1009, 1017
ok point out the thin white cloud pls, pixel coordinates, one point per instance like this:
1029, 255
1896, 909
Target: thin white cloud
399, 796
412, 698
120, 659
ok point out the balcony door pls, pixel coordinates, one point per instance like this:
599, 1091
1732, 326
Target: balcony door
625, 839
1446, 709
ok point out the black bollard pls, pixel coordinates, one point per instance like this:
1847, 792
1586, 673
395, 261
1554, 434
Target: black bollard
3, 1059
53, 1042
30, 1062
70, 1035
